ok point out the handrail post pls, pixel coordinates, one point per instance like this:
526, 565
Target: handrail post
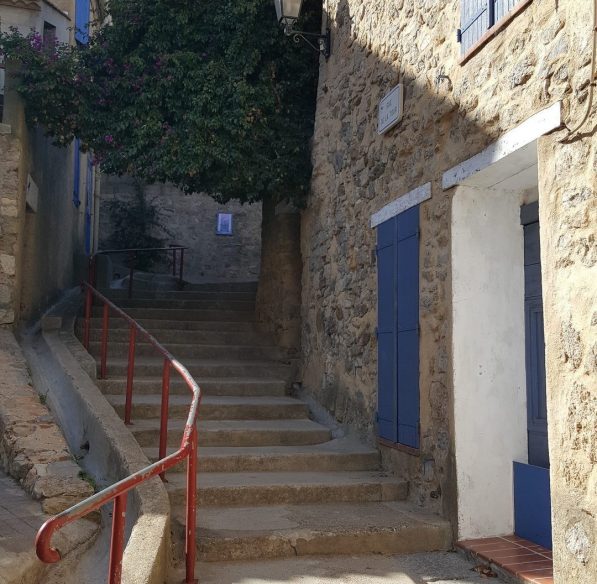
174, 261
191, 519
181, 267
131, 272
104, 347
117, 541
87, 325
164, 412
128, 406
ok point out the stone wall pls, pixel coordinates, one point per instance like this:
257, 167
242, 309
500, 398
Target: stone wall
10, 220
452, 111
279, 292
569, 248
191, 221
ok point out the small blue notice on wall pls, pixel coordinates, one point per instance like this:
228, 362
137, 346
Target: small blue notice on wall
224, 224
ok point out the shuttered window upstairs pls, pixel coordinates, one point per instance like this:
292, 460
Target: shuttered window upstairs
82, 15
478, 16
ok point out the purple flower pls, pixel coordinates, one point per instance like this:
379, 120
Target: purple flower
109, 139
36, 41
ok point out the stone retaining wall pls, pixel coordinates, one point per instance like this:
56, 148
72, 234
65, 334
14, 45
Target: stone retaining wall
32, 447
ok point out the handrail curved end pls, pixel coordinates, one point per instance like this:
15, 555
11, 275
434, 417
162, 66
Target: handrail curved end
45, 552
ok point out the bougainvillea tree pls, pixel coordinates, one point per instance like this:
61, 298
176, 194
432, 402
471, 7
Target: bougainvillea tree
208, 95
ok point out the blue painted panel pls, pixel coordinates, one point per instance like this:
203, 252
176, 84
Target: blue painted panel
82, 14
77, 174
408, 283
386, 332
408, 388
89, 185
532, 503
407, 223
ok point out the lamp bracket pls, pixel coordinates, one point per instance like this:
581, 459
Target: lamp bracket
324, 41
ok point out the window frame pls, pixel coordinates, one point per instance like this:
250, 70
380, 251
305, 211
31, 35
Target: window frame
492, 31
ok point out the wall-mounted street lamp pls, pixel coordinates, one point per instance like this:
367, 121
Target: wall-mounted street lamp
288, 12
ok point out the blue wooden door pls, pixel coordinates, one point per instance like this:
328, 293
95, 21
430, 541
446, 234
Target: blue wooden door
398, 328
532, 505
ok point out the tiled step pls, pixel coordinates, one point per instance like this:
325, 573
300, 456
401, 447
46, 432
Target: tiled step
252, 533
148, 367
215, 408
185, 352
236, 432
195, 337
335, 455
279, 488
216, 386
191, 314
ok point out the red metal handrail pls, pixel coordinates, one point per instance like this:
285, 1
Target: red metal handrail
118, 491
132, 256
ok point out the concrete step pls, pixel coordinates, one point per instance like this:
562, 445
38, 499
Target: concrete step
236, 432
152, 324
216, 386
177, 303
152, 367
192, 314
241, 489
215, 408
184, 351
222, 287
253, 533
339, 454
118, 295
194, 337
420, 568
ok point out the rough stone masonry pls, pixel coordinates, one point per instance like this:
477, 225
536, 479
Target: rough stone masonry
452, 111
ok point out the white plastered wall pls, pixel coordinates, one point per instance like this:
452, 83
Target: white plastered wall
489, 356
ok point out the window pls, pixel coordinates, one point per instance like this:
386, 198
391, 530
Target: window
224, 224
478, 16
49, 38
82, 12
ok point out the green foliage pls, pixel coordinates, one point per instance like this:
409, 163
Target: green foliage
134, 225
210, 96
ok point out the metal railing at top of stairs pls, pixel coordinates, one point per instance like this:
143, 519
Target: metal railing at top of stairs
132, 254
118, 492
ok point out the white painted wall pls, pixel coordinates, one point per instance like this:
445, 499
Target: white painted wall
488, 355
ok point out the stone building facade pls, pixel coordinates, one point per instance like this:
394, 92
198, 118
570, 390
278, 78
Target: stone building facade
191, 221
47, 194
483, 134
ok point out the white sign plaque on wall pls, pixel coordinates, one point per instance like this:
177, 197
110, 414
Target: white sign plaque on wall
390, 109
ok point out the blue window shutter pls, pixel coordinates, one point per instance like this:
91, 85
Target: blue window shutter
407, 258
386, 331
474, 21
89, 186
77, 174
82, 14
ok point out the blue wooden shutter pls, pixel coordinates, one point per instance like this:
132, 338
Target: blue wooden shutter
398, 328
89, 187
407, 228
474, 21
82, 12
534, 339
387, 410
77, 174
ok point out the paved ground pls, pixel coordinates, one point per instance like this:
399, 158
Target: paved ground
20, 518
436, 568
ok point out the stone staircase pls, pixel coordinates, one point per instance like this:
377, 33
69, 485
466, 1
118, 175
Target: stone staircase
272, 482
